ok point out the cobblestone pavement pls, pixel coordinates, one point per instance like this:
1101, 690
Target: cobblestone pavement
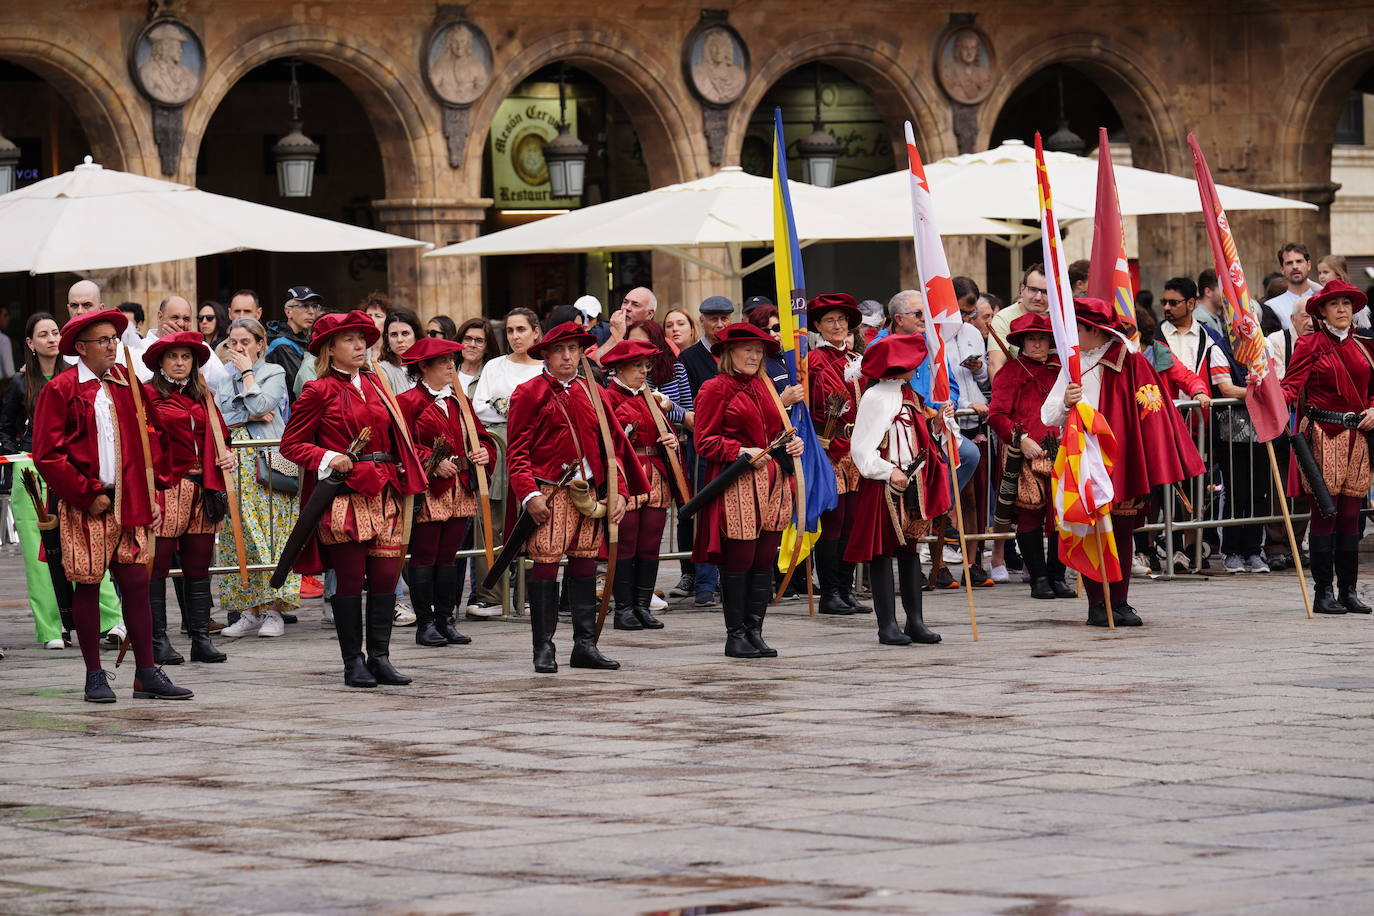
1217, 760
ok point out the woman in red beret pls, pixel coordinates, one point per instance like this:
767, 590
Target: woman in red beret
440, 417
1330, 379
193, 505
1155, 448
736, 415
833, 366
1018, 392
628, 396
905, 483
360, 536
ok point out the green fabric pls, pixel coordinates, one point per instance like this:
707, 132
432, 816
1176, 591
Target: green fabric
47, 623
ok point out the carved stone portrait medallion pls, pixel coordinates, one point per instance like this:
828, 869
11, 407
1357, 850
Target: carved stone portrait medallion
458, 63
966, 66
717, 64
167, 62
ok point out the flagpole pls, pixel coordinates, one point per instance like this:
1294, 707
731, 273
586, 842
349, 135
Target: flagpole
959, 526
1106, 585
1288, 526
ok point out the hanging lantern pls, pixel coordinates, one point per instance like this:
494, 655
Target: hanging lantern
295, 154
9, 164
820, 152
1065, 140
565, 155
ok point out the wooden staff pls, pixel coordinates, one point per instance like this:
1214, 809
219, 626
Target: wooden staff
141, 413
798, 503
612, 490
394, 408
1006, 351
684, 493
231, 490
1288, 526
1106, 583
483, 488
959, 527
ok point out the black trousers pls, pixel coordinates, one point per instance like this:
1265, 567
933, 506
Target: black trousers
1249, 483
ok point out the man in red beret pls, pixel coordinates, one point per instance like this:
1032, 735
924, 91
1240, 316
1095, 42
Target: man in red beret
553, 424
1154, 446
88, 446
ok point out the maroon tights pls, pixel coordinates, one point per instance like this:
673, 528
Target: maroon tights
835, 523
132, 580
1345, 521
435, 543
641, 533
1123, 532
578, 568
195, 550
354, 569
760, 553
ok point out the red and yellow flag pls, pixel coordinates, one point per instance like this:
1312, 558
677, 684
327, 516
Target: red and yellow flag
1109, 276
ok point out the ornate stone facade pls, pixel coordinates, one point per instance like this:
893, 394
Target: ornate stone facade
1266, 117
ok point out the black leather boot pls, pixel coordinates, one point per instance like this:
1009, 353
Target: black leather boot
152, 684
885, 602
422, 600
828, 570
846, 588
98, 687
1054, 568
1125, 615
543, 598
381, 609
1097, 614
445, 603
1032, 548
1348, 573
163, 653
646, 575
734, 589
198, 621
585, 654
623, 597
758, 589
909, 580
348, 624
1322, 547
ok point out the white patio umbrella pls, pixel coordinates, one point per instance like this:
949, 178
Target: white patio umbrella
1000, 184
93, 218
729, 210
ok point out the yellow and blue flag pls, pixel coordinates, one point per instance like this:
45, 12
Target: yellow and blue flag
817, 477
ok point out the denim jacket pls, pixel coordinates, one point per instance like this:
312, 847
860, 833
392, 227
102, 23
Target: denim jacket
266, 395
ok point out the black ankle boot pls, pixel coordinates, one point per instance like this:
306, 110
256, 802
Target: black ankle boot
198, 621
885, 602
623, 597
1322, 548
446, 603
733, 598
1042, 589
153, 684
422, 600
543, 598
1054, 568
646, 575
828, 569
1348, 573
1097, 614
348, 625
98, 687
585, 654
910, 580
381, 612
163, 653
846, 588
758, 589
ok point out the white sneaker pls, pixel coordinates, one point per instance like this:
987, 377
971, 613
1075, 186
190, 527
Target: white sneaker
247, 624
403, 616
57, 643
1140, 565
999, 574
656, 603
115, 637
482, 609
272, 624
953, 557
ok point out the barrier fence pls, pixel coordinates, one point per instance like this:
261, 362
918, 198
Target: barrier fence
1236, 490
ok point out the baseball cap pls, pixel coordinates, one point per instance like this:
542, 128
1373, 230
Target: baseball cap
589, 306
754, 302
716, 305
303, 294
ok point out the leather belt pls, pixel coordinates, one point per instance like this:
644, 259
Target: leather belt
648, 452
377, 457
1349, 419
196, 478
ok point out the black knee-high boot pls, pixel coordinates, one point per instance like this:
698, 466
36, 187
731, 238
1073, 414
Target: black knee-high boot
758, 589
446, 602
163, 653
909, 580
846, 587
646, 575
1055, 569
1032, 547
583, 607
348, 624
198, 621
623, 596
827, 554
1347, 572
381, 609
543, 598
422, 600
734, 587
885, 602
1322, 550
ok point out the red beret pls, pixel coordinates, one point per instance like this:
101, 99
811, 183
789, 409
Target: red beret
339, 322
627, 351
1097, 313
832, 301
74, 328
430, 348
567, 331
1029, 323
895, 354
1336, 289
744, 332
200, 352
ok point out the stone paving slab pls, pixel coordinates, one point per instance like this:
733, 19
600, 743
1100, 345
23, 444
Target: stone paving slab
1216, 761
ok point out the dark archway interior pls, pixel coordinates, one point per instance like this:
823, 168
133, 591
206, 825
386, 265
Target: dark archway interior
1035, 106
235, 159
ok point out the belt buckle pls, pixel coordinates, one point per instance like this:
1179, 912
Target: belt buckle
1350, 419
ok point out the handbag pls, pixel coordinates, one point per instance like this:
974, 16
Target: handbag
214, 505
276, 473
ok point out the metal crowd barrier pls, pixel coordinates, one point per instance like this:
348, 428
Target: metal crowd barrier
1199, 504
